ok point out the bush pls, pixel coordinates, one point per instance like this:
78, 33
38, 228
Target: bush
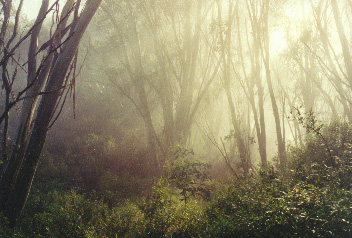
5, 231
313, 200
69, 214
268, 208
96, 163
189, 176
126, 220
166, 216
313, 164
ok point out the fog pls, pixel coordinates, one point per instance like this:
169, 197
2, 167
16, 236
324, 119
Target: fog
192, 74
242, 86
30, 8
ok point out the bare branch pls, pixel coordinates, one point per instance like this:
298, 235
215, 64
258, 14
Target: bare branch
11, 51
14, 33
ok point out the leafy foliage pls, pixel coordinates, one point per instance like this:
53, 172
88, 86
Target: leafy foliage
189, 176
312, 199
165, 216
70, 214
268, 207
97, 163
311, 164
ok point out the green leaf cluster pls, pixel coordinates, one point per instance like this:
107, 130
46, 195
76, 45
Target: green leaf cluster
189, 176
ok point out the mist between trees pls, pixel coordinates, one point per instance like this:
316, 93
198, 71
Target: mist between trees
108, 98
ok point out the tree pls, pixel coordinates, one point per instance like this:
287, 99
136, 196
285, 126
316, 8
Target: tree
253, 81
338, 74
265, 54
173, 68
135, 70
225, 38
52, 77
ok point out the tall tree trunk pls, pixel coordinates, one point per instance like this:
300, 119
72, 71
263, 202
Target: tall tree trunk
189, 53
334, 78
16, 199
137, 76
256, 79
266, 61
13, 165
36, 82
226, 58
138, 80
6, 9
343, 41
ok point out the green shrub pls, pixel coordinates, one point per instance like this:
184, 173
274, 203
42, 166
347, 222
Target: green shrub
68, 214
5, 231
189, 176
124, 186
166, 216
98, 163
268, 206
314, 202
126, 220
312, 163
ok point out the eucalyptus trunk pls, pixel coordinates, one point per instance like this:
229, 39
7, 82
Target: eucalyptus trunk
13, 201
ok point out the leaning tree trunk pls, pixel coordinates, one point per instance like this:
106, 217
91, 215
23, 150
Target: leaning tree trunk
35, 83
13, 165
17, 197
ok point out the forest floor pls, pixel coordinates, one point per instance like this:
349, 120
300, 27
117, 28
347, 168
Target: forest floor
312, 197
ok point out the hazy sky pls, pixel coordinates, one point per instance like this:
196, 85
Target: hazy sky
30, 7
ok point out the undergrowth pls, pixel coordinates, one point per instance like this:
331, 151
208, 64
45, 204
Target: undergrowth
311, 198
